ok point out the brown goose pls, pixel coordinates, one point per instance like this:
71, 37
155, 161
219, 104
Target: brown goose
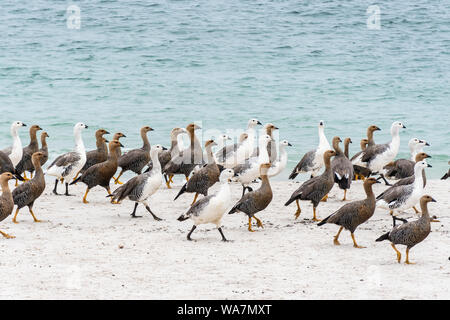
205, 178
359, 167
315, 189
98, 155
117, 137
403, 168
271, 146
342, 167
100, 174
136, 159
166, 155
354, 214
44, 148
27, 193
411, 233
188, 158
255, 201
25, 164
6, 200
410, 178
347, 142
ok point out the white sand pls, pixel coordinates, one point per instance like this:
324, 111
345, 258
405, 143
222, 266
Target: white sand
74, 252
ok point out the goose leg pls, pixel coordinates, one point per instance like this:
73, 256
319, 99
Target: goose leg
15, 216
32, 214
187, 178
55, 188
17, 183
345, 195
25, 176
258, 222
399, 255
354, 242
85, 195
195, 199
384, 179
299, 210
336, 237
315, 217
67, 190
221, 233
7, 236
31, 175
109, 193
153, 215
133, 214
250, 225
325, 199
192, 230
169, 181
407, 257
171, 178
116, 181
76, 176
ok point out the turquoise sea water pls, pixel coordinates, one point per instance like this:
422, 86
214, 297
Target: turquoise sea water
166, 63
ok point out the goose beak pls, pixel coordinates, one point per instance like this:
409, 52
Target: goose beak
259, 123
106, 140
121, 145
429, 166
106, 132
85, 126
378, 129
404, 127
427, 144
276, 128
24, 125
164, 148
289, 144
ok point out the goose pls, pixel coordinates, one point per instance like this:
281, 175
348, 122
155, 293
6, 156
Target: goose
43, 149
15, 151
211, 209
377, 156
249, 171
204, 178
403, 168
347, 142
406, 196
6, 200
100, 154
25, 163
185, 162
316, 188
117, 136
406, 169
100, 174
250, 141
353, 214
369, 142
136, 159
271, 147
229, 156
66, 166
27, 193
279, 165
342, 167
258, 200
166, 155
140, 188
411, 233
312, 161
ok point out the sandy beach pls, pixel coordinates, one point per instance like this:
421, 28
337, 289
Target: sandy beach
97, 251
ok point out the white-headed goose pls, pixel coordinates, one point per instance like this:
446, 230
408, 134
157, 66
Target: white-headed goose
15, 151
211, 209
312, 161
140, 188
66, 166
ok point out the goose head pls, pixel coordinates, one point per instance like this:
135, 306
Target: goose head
176, 132
6, 176
419, 166
285, 143
210, 143
192, 127
269, 128
243, 137
157, 148
370, 181
264, 139
114, 144
396, 126
264, 168
35, 128
16, 125
224, 137
79, 127
226, 175
253, 123
44, 134
146, 129
373, 128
